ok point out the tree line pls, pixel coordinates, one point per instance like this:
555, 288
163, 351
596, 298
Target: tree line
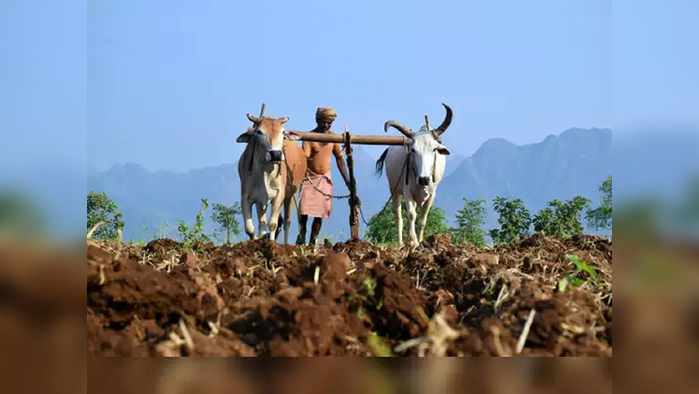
558, 219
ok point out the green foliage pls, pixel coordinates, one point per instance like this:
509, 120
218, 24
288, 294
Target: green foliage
470, 219
382, 226
365, 297
144, 231
196, 235
514, 219
379, 346
20, 215
577, 279
162, 231
601, 217
561, 219
225, 217
102, 208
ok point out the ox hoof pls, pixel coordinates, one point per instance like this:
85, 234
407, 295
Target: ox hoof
412, 245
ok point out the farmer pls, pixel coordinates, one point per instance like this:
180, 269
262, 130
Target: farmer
316, 189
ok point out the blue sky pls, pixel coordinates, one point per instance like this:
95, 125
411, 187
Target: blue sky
166, 84
170, 82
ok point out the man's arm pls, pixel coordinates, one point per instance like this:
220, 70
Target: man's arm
339, 158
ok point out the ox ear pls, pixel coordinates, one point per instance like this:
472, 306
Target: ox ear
284, 120
291, 136
442, 150
244, 138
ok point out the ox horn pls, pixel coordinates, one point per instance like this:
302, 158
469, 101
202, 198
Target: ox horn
447, 121
253, 118
404, 130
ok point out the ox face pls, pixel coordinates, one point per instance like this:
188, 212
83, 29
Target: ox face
424, 148
268, 134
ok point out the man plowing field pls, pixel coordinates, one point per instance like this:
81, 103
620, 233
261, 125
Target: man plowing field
316, 189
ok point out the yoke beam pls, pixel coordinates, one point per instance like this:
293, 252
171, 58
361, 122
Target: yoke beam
354, 139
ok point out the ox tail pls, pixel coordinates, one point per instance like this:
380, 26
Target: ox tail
380, 163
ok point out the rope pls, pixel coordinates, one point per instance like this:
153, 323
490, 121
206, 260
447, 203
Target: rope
405, 165
323, 193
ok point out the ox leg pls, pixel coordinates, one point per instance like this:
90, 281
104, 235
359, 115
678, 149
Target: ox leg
274, 217
246, 208
422, 221
279, 226
288, 209
263, 228
398, 219
411, 213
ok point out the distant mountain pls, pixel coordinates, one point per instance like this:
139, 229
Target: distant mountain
91, 170
453, 162
576, 162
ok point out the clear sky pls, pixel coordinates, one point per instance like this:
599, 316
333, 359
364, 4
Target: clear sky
167, 83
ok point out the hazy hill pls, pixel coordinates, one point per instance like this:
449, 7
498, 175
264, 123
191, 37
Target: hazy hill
573, 163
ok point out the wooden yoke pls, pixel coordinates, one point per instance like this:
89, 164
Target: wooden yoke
354, 139
354, 209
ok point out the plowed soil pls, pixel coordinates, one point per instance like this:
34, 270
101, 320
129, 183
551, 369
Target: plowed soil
260, 298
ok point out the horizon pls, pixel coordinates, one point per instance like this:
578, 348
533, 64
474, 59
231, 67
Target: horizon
362, 148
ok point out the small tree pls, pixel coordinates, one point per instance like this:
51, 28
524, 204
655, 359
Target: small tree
382, 226
470, 219
561, 219
225, 217
514, 220
102, 209
196, 235
600, 218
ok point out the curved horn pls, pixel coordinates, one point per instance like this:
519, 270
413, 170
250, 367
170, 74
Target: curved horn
253, 119
447, 121
404, 130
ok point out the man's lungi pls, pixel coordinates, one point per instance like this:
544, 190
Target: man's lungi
313, 202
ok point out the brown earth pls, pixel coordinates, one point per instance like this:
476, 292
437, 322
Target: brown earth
259, 298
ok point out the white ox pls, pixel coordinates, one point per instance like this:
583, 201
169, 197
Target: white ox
414, 172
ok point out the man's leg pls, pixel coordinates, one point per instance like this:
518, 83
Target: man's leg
315, 229
301, 238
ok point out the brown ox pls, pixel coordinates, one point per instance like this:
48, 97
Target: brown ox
264, 174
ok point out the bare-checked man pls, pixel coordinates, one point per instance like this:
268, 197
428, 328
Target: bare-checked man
316, 190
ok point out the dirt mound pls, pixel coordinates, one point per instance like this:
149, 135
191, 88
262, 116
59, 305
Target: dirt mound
259, 298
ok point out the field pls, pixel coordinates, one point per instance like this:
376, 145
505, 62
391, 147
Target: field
542, 296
